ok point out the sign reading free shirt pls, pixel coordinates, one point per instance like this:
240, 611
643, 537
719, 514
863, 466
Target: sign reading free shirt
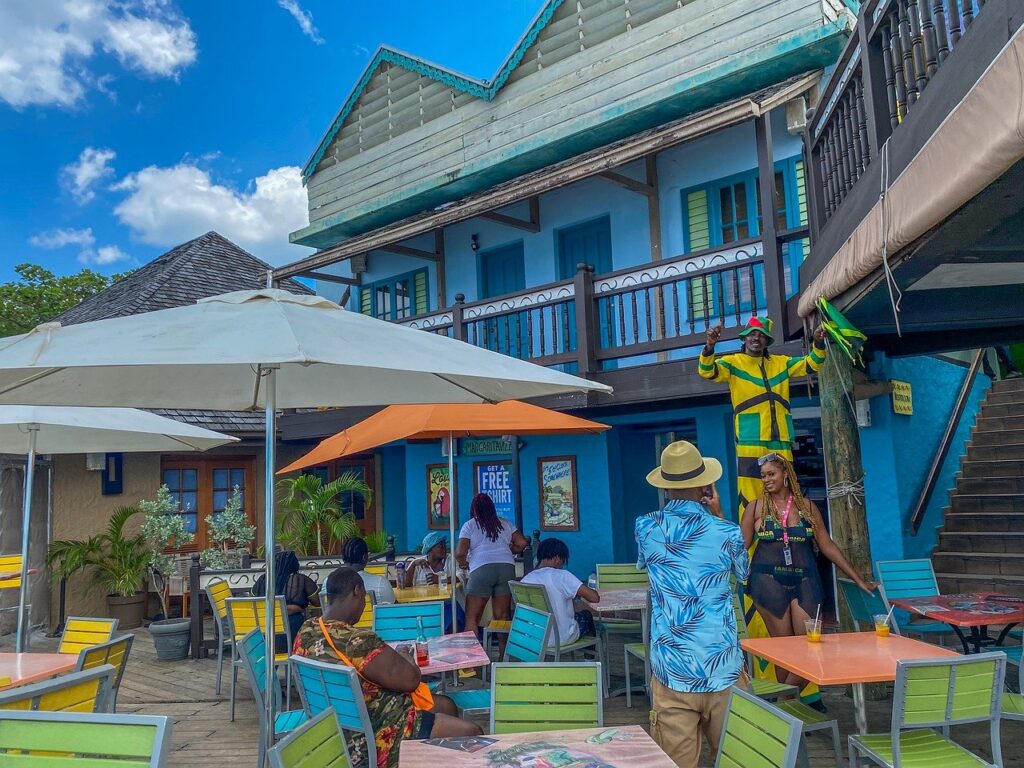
495, 479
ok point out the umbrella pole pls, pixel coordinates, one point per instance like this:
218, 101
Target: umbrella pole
453, 510
26, 520
270, 397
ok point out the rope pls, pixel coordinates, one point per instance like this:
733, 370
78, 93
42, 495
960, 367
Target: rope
895, 294
854, 488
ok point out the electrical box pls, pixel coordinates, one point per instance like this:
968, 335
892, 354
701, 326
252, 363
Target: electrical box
863, 413
95, 462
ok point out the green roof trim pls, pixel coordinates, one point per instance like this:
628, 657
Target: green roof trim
482, 89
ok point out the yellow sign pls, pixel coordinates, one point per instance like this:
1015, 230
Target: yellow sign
902, 398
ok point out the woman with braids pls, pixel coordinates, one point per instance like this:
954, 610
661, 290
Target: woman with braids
784, 582
487, 547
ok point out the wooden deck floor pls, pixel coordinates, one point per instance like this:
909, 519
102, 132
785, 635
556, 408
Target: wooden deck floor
204, 736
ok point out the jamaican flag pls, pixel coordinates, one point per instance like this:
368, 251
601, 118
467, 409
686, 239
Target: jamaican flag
847, 338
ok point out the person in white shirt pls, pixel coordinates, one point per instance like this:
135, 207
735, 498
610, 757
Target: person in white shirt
563, 588
487, 546
355, 555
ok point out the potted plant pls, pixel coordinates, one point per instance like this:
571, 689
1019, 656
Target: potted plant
164, 528
119, 565
314, 522
230, 533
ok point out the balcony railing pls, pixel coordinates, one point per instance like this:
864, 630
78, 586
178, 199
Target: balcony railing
590, 323
884, 72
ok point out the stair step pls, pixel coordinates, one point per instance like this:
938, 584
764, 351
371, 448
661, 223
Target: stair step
1008, 385
1005, 398
1004, 564
998, 437
980, 541
989, 522
976, 452
992, 468
990, 485
956, 583
986, 423
1002, 409
986, 502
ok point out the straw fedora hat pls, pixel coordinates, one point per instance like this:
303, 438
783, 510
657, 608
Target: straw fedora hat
682, 466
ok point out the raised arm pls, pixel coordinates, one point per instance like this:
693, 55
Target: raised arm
813, 360
707, 366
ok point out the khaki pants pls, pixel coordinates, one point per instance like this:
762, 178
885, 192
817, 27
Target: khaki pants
679, 719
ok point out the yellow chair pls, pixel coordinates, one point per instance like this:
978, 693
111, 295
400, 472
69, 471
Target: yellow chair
83, 632
218, 592
10, 564
377, 569
113, 652
366, 620
88, 691
246, 614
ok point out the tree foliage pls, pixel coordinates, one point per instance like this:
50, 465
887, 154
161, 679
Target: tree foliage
38, 295
315, 521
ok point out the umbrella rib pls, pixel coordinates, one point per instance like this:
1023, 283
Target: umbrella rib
465, 388
30, 380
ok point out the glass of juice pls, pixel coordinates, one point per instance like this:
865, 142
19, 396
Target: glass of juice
813, 627
882, 625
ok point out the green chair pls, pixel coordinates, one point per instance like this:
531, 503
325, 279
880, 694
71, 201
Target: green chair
88, 691
1013, 703
929, 696
757, 734
863, 607
910, 578
395, 622
114, 652
638, 651
325, 686
536, 596
318, 743
770, 690
67, 739
527, 640
252, 651
616, 576
546, 697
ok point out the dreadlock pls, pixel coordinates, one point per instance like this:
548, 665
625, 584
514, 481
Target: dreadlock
482, 508
802, 507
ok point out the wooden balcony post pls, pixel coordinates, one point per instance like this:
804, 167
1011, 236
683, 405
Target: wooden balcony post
195, 609
458, 329
774, 282
586, 325
876, 98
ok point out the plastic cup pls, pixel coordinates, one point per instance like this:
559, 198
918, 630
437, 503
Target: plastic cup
882, 625
813, 627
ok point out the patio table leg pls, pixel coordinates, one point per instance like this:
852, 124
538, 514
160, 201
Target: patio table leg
1004, 633
963, 640
860, 712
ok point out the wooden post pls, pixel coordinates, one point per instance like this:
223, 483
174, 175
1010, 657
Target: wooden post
774, 284
195, 609
848, 520
458, 329
586, 323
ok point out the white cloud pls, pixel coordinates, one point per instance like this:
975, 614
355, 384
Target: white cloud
167, 206
80, 176
46, 44
58, 238
304, 19
108, 254
360, 50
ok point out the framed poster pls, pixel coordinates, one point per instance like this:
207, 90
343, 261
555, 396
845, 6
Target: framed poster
440, 497
495, 479
559, 502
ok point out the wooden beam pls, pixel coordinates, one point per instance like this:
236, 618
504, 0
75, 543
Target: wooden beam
653, 206
631, 184
774, 282
442, 291
533, 225
329, 278
405, 250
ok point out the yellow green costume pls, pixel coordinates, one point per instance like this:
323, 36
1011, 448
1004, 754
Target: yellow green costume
759, 390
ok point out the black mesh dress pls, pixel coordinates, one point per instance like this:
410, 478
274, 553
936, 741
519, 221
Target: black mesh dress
773, 584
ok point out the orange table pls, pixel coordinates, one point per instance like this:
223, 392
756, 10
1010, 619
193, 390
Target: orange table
423, 594
24, 668
849, 658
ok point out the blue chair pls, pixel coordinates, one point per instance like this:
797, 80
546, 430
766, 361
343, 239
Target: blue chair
910, 578
396, 622
323, 686
318, 743
252, 652
527, 639
863, 607
1013, 703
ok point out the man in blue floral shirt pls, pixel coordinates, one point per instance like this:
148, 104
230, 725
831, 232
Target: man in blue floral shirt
690, 553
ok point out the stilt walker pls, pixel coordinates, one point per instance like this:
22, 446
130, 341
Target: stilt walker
759, 389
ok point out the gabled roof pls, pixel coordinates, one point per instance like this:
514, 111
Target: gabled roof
209, 265
482, 89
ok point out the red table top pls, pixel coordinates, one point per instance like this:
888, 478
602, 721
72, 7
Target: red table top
449, 653
24, 668
843, 658
976, 609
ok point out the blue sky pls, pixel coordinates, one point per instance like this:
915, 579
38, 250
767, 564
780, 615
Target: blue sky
129, 126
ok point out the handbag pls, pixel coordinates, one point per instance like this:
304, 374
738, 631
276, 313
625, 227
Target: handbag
422, 698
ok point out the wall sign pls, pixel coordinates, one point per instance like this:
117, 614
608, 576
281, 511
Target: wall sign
112, 481
440, 498
487, 446
559, 502
495, 479
902, 398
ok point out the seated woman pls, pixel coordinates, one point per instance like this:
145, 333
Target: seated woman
784, 582
387, 678
355, 555
427, 569
298, 589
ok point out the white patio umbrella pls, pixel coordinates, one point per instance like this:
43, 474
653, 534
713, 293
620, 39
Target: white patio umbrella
28, 430
264, 349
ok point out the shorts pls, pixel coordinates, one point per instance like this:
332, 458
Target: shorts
491, 580
426, 726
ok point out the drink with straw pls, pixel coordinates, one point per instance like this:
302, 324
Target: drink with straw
882, 625
813, 627
422, 652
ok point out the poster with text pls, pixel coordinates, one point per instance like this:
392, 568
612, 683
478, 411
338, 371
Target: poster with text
559, 503
440, 499
495, 479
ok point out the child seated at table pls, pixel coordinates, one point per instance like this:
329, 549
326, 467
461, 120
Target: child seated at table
563, 588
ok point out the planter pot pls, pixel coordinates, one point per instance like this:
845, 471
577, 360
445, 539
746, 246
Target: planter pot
171, 638
127, 610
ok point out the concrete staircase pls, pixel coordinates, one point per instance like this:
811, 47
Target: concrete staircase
981, 544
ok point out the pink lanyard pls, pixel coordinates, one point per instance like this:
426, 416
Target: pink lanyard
785, 520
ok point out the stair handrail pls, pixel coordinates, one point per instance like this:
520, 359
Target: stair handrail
939, 459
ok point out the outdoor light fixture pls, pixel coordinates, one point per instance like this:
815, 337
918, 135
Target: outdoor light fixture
474, 242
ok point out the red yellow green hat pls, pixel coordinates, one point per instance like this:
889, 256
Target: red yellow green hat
762, 324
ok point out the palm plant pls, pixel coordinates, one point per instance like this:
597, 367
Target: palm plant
314, 520
121, 562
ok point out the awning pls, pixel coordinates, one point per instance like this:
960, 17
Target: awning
977, 143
